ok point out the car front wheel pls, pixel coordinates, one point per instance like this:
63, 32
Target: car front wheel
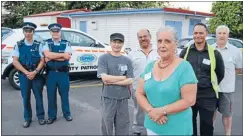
14, 79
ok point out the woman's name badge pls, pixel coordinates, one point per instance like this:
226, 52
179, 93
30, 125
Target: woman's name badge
147, 76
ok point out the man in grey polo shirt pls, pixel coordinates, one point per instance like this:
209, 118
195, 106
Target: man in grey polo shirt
116, 72
233, 64
140, 58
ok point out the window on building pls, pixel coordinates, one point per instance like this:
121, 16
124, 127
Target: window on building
177, 25
192, 23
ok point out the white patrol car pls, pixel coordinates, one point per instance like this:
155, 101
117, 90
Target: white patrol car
85, 54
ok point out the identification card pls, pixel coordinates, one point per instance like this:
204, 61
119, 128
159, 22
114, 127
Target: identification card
124, 68
147, 76
206, 61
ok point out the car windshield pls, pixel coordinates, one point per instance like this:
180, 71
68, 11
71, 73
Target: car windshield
4, 32
211, 41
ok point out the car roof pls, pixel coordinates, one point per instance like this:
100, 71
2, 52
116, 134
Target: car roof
6, 28
45, 28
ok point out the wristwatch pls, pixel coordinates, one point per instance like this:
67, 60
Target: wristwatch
164, 111
37, 71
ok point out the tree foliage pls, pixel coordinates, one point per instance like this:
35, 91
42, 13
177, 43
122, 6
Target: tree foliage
19, 9
111, 5
230, 14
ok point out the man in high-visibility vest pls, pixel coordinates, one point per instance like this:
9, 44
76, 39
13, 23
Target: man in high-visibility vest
208, 66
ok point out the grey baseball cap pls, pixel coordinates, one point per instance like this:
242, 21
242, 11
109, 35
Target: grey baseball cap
117, 36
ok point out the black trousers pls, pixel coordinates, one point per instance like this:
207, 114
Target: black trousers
206, 120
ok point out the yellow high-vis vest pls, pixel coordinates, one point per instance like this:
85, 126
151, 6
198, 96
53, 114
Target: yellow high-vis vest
214, 79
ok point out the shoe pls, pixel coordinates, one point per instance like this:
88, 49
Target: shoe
68, 118
26, 124
136, 134
50, 121
42, 121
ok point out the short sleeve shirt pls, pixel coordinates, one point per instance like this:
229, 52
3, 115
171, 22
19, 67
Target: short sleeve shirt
16, 49
161, 93
140, 61
232, 57
68, 47
115, 66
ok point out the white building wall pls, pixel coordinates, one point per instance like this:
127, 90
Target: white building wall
144, 21
41, 20
129, 25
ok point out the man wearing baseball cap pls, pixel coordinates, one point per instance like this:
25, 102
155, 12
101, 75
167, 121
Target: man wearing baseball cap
116, 72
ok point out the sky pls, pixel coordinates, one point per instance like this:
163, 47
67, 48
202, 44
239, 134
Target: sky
197, 6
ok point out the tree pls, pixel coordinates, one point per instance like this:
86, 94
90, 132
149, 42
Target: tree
230, 14
135, 4
112, 5
19, 9
91, 5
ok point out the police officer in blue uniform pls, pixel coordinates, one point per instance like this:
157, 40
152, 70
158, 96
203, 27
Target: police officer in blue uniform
28, 60
57, 54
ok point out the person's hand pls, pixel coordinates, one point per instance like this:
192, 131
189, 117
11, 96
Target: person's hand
155, 114
26, 72
66, 56
47, 59
162, 120
31, 75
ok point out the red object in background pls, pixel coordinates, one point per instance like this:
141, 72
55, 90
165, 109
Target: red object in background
65, 22
3, 45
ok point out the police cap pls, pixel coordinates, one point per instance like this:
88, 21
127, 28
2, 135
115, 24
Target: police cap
29, 25
55, 27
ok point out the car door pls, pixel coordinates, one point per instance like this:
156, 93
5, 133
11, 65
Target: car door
85, 54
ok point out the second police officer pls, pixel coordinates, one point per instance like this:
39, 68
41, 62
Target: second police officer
28, 60
57, 54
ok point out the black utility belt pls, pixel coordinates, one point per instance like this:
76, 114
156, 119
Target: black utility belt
61, 69
29, 68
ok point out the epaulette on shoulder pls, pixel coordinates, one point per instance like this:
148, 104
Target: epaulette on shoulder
36, 42
19, 43
63, 41
49, 41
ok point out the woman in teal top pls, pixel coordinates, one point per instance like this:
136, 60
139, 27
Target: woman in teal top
167, 90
